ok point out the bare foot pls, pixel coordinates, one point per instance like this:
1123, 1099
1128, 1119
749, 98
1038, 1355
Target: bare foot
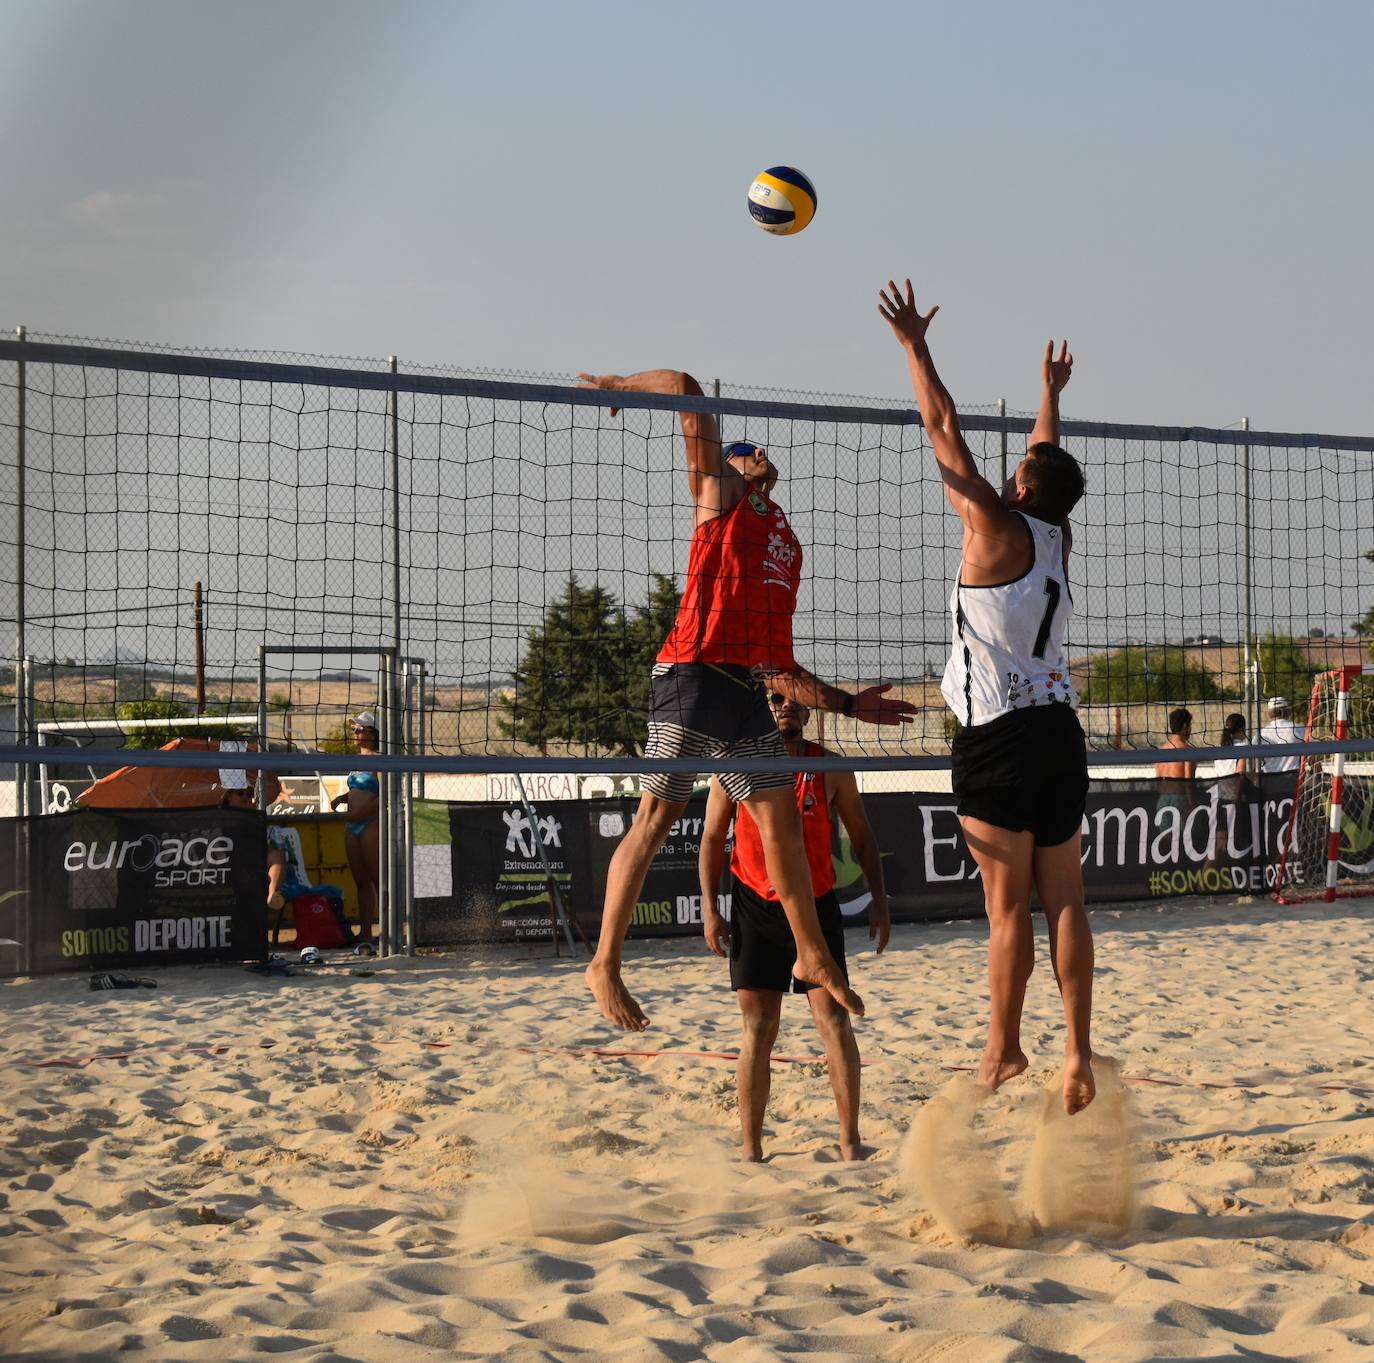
824, 972
1080, 1088
752, 1154
995, 1070
615, 1001
854, 1150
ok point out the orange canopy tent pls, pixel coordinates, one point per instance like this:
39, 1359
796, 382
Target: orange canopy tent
161, 787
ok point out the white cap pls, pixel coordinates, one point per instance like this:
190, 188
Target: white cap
367, 718
1278, 702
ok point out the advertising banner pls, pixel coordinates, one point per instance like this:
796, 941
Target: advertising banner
670, 903
102, 889
1140, 841
500, 890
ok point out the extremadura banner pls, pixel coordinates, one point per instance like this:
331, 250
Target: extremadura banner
1140, 842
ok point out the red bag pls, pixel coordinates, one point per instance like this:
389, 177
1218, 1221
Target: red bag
316, 925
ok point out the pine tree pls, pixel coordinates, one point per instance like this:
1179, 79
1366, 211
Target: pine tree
646, 634
570, 683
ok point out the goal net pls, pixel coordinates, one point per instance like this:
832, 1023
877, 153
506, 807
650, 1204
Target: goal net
1329, 849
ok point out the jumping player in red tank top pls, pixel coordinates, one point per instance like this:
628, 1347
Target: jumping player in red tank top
732, 637
759, 942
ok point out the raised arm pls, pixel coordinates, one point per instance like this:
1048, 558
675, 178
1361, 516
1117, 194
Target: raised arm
716, 487
975, 499
872, 705
720, 809
1055, 374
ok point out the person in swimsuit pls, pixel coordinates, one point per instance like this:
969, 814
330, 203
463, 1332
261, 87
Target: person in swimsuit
730, 644
361, 834
759, 942
1019, 764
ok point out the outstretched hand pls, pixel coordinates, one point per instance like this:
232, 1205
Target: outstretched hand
1057, 372
604, 381
902, 314
872, 705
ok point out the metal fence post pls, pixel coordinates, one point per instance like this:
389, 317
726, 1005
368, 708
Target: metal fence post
1251, 698
394, 818
21, 720
1002, 411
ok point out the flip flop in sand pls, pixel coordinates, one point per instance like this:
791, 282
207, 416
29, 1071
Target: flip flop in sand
273, 965
108, 981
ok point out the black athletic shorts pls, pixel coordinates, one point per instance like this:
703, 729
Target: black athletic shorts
1024, 770
710, 710
762, 948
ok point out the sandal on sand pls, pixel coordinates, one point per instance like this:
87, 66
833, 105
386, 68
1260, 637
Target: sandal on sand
275, 964
107, 981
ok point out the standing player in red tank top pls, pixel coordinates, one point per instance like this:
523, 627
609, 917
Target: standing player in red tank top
733, 636
759, 942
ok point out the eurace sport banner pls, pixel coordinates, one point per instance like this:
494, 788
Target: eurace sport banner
1139, 843
101, 889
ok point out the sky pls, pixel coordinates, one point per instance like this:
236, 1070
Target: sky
1180, 189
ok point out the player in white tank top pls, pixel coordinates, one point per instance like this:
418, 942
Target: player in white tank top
1008, 651
1019, 764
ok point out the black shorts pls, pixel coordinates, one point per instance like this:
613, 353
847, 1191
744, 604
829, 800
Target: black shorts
1026, 770
762, 948
710, 710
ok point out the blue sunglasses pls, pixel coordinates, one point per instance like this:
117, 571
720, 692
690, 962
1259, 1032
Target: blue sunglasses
738, 448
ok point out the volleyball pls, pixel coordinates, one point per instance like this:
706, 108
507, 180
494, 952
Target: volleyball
782, 200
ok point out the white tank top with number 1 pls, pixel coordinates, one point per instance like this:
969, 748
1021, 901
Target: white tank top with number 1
1008, 651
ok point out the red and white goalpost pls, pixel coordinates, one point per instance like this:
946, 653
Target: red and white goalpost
1329, 849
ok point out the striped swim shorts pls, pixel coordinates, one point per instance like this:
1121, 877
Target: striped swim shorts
711, 710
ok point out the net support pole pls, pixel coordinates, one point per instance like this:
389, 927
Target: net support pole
1251, 689
200, 652
385, 847
396, 877
411, 668
20, 719
262, 723
424, 747
1333, 831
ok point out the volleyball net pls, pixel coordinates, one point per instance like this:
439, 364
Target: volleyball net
199, 544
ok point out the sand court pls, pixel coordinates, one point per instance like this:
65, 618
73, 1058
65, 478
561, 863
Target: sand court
430, 1162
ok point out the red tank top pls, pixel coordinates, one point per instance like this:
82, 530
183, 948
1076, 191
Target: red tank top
747, 862
742, 578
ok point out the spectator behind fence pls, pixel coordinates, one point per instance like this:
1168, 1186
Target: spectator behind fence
286, 871
1176, 778
1232, 787
1281, 729
237, 793
285, 842
364, 801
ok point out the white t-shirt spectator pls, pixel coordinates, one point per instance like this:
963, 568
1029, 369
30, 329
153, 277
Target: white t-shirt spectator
1281, 731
